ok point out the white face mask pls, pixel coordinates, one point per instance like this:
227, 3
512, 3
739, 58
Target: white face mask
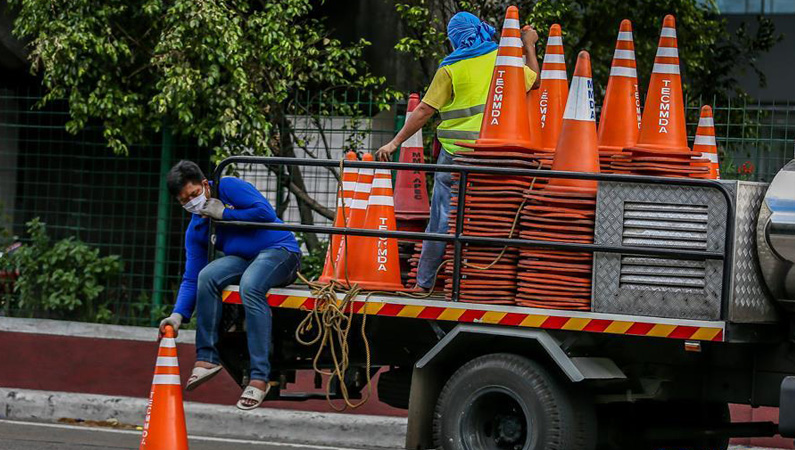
196, 204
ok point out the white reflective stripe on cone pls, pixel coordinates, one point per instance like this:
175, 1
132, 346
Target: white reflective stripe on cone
511, 23
666, 68
167, 361
668, 32
580, 105
618, 71
555, 40
553, 75
382, 183
704, 140
712, 157
510, 61
554, 58
624, 54
624, 36
168, 343
358, 203
348, 185
167, 379
382, 200
509, 41
706, 122
363, 188
668, 52
416, 139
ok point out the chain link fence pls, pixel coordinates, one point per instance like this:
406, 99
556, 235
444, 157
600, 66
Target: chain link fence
118, 204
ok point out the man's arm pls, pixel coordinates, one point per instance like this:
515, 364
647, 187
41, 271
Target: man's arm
195, 260
415, 122
529, 39
249, 203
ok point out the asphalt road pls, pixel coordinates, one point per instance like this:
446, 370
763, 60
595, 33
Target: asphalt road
47, 436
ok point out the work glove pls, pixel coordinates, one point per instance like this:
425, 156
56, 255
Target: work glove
175, 320
213, 208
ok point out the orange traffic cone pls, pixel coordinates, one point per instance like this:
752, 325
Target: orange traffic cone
358, 213
344, 198
554, 90
164, 426
663, 122
411, 193
534, 114
705, 143
577, 149
619, 123
375, 264
505, 121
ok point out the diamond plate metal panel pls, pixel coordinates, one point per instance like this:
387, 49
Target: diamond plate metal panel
750, 300
686, 295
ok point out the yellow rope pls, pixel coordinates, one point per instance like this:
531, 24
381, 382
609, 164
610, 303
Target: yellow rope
328, 324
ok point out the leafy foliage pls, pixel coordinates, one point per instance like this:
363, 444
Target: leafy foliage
221, 71
710, 55
66, 277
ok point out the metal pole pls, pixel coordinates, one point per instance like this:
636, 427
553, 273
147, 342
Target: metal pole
162, 225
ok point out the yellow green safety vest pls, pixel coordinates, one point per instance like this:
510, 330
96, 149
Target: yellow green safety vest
462, 117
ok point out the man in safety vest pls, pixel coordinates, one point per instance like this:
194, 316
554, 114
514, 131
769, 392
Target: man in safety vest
458, 91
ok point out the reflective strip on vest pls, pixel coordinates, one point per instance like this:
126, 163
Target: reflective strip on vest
457, 134
464, 112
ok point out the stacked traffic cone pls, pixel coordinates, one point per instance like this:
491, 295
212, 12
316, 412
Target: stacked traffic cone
506, 125
358, 212
619, 123
164, 425
344, 199
492, 203
411, 193
705, 144
374, 263
564, 209
553, 90
662, 144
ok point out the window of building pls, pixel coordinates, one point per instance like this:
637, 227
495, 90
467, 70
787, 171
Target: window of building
756, 6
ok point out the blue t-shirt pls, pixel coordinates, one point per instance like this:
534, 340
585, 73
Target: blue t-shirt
244, 203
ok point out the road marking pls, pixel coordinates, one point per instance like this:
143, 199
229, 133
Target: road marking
197, 438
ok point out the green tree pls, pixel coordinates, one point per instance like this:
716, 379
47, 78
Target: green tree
226, 73
711, 56
221, 71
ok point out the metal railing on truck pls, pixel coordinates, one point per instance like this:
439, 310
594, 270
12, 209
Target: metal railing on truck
458, 238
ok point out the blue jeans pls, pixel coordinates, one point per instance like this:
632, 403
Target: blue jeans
271, 268
433, 251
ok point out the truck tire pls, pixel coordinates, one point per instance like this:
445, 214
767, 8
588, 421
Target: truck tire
506, 401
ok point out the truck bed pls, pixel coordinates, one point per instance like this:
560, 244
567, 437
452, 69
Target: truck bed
437, 308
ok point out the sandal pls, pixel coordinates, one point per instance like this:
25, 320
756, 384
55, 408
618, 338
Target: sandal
252, 393
200, 375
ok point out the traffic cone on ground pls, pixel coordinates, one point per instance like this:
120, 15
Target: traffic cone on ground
505, 121
164, 426
375, 264
663, 122
358, 212
619, 123
577, 144
344, 198
554, 89
705, 144
411, 192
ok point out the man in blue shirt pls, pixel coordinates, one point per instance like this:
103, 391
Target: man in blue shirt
255, 259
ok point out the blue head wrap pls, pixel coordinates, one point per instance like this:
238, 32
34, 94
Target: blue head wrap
470, 38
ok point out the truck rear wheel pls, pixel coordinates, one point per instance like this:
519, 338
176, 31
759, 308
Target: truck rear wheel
505, 401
